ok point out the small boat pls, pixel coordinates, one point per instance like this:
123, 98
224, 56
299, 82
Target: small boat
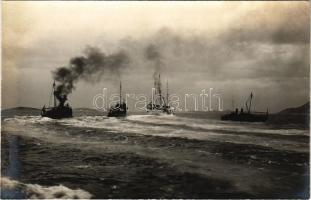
246, 116
120, 109
57, 111
155, 109
159, 105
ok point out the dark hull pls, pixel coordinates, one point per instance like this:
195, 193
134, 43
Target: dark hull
245, 117
57, 112
159, 112
118, 111
159, 109
117, 114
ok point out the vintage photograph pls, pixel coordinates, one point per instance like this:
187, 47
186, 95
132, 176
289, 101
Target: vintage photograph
155, 100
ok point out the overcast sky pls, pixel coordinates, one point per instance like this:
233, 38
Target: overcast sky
232, 47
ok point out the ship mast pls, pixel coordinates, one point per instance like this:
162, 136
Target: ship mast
248, 107
250, 102
159, 88
120, 92
166, 92
54, 93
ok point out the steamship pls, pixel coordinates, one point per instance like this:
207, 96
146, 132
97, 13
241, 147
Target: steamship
247, 116
159, 105
57, 111
120, 109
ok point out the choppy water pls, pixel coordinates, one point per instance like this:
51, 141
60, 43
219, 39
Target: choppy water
171, 126
180, 143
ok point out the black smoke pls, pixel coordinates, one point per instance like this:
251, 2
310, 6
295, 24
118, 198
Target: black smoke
90, 67
153, 55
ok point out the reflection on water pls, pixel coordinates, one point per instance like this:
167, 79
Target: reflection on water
13, 170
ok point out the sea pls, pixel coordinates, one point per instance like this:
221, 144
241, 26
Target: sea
186, 155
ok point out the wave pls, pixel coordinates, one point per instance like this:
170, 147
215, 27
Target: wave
214, 125
161, 124
161, 120
35, 191
165, 126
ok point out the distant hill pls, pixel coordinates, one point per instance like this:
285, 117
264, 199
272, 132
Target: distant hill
22, 111
298, 115
11, 112
304, 109
20, 108
87, 111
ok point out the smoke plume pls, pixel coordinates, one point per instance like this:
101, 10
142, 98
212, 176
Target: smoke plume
152, 54
91, 67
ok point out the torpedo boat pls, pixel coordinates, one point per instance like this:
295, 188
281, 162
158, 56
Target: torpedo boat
159, 105
57, 111
119, 109
247, 116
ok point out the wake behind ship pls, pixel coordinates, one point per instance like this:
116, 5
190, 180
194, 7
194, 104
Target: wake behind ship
246, 116
57, 111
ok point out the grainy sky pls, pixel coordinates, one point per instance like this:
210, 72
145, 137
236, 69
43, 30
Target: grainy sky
233, 47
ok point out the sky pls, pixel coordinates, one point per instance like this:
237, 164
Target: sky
233, 47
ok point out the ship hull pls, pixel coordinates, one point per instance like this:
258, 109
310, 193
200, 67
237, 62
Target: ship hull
245, 117
119, 110
57, 112
159, 112
117, 114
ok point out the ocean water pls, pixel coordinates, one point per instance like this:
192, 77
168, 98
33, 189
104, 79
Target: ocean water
289, 138
276, 156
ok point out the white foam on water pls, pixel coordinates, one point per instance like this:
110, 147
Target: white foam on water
166, 126
212, 125
118, 124
35, 191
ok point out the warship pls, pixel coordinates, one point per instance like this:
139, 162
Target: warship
120, 109
159, 105
247, 116
59, 111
